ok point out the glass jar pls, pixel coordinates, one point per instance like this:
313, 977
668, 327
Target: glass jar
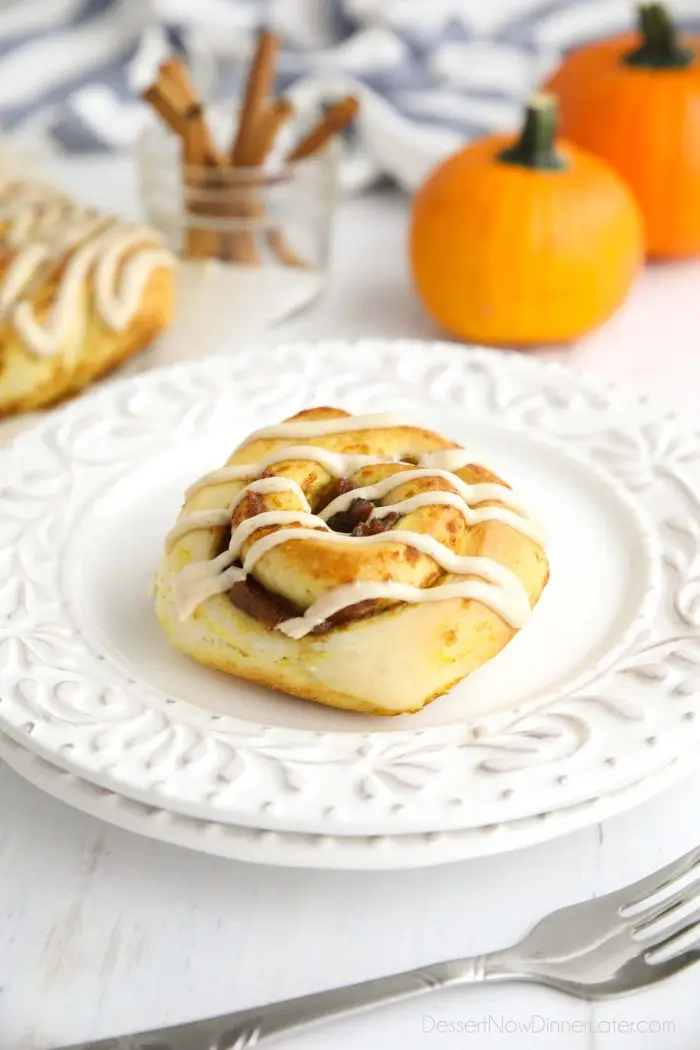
253, 242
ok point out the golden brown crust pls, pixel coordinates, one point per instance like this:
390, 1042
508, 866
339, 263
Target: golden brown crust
29, 381
398, 658
102, 351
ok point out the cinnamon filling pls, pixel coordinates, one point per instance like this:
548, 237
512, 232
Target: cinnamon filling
376, 525
348, 520
357, 520
337, 487
270, 609
251, 598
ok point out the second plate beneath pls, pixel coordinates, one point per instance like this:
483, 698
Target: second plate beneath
337, 852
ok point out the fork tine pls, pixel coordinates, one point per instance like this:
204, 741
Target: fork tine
669, 936
668, 907
647, 887
668, 967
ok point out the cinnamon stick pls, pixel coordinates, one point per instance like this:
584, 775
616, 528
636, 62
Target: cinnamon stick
188, 126
201, 160
270, 121
257, 125
333, 121
176, 87
241, 243
278, 243
210, 194
167, 112
200, 180
255, 97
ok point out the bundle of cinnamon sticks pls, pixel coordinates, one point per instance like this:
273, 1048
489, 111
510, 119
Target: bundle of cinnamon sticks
224, 213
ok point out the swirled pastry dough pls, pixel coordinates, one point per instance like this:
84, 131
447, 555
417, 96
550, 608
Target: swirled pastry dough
80, 292
357, 561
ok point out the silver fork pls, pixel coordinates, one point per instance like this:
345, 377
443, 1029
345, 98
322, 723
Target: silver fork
602, 948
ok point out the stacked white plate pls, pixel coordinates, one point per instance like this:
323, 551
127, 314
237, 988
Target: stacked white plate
592, 708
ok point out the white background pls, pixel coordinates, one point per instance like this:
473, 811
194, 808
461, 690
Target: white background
101, 931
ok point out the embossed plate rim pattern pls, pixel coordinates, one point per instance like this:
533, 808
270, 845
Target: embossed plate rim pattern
63, 700
326, 851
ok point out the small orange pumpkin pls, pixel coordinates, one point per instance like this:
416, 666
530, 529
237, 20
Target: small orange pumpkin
635, 102
521, 243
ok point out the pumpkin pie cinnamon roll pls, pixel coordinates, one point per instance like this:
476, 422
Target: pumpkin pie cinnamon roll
80, 291
357, 561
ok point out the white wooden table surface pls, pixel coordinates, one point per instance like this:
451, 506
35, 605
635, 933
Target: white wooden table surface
102, 931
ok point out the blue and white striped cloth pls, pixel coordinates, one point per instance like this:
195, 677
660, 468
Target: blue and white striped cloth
431, 73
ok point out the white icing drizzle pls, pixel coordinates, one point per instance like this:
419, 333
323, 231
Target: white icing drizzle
118, 300
487, 581
506, 604
309, 428
21, 270
219, 517
41, 228
266, 520
197, 520
471, 517
447, 458
339, 464
462, 500
273, 484
458, 564
201, 580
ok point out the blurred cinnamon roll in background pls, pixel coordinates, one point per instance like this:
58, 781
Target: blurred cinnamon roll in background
80, 291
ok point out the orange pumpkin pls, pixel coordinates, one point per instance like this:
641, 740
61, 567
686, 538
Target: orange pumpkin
635, 102
521, 243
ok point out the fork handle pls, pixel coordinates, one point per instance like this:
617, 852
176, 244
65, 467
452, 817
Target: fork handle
249, 1028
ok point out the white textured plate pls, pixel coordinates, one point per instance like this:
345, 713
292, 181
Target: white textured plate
297, 850
598, 692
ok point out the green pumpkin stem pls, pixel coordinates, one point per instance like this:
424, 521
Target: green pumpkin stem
660, 48
536, 147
